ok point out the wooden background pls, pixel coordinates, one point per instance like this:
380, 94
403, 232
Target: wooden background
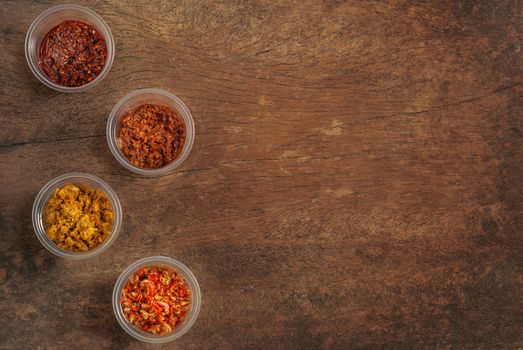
356, 180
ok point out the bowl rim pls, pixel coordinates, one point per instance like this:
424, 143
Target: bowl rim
115, 116
189, 278
43, 197
102, 27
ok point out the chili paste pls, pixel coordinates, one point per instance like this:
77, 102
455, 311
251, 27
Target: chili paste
156, 299
152, 136
73, 54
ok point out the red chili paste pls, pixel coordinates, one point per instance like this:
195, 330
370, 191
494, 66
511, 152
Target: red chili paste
73, 54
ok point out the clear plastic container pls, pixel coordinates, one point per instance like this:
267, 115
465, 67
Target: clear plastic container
45, 194
49, 19
135, 99
179, 329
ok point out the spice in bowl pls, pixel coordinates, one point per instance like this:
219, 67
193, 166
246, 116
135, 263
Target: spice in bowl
73, 54
78, 218
152, 136
156, 299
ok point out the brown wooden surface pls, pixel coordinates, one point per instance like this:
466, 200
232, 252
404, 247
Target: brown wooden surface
356, 180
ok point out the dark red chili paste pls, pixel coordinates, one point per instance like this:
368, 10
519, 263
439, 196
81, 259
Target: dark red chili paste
73, 54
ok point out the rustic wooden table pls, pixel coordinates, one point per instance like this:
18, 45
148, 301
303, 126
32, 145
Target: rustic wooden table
356, 180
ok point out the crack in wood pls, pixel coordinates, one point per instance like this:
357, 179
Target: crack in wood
31, 142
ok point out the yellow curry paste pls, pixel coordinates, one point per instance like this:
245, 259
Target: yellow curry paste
78, 218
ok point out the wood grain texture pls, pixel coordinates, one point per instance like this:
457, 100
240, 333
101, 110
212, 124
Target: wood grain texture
356, 180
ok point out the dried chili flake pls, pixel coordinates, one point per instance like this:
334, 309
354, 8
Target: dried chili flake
152, 136
73, 54
78, 218
156, 299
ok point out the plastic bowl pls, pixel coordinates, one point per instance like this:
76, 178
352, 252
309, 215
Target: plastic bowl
135, 99
45, 194
49, 19
179, 329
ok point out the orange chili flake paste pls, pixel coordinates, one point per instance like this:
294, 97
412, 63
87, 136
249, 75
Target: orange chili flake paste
73, 53
152, 136
156, 299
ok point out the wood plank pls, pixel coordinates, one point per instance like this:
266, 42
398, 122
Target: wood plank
356, 179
